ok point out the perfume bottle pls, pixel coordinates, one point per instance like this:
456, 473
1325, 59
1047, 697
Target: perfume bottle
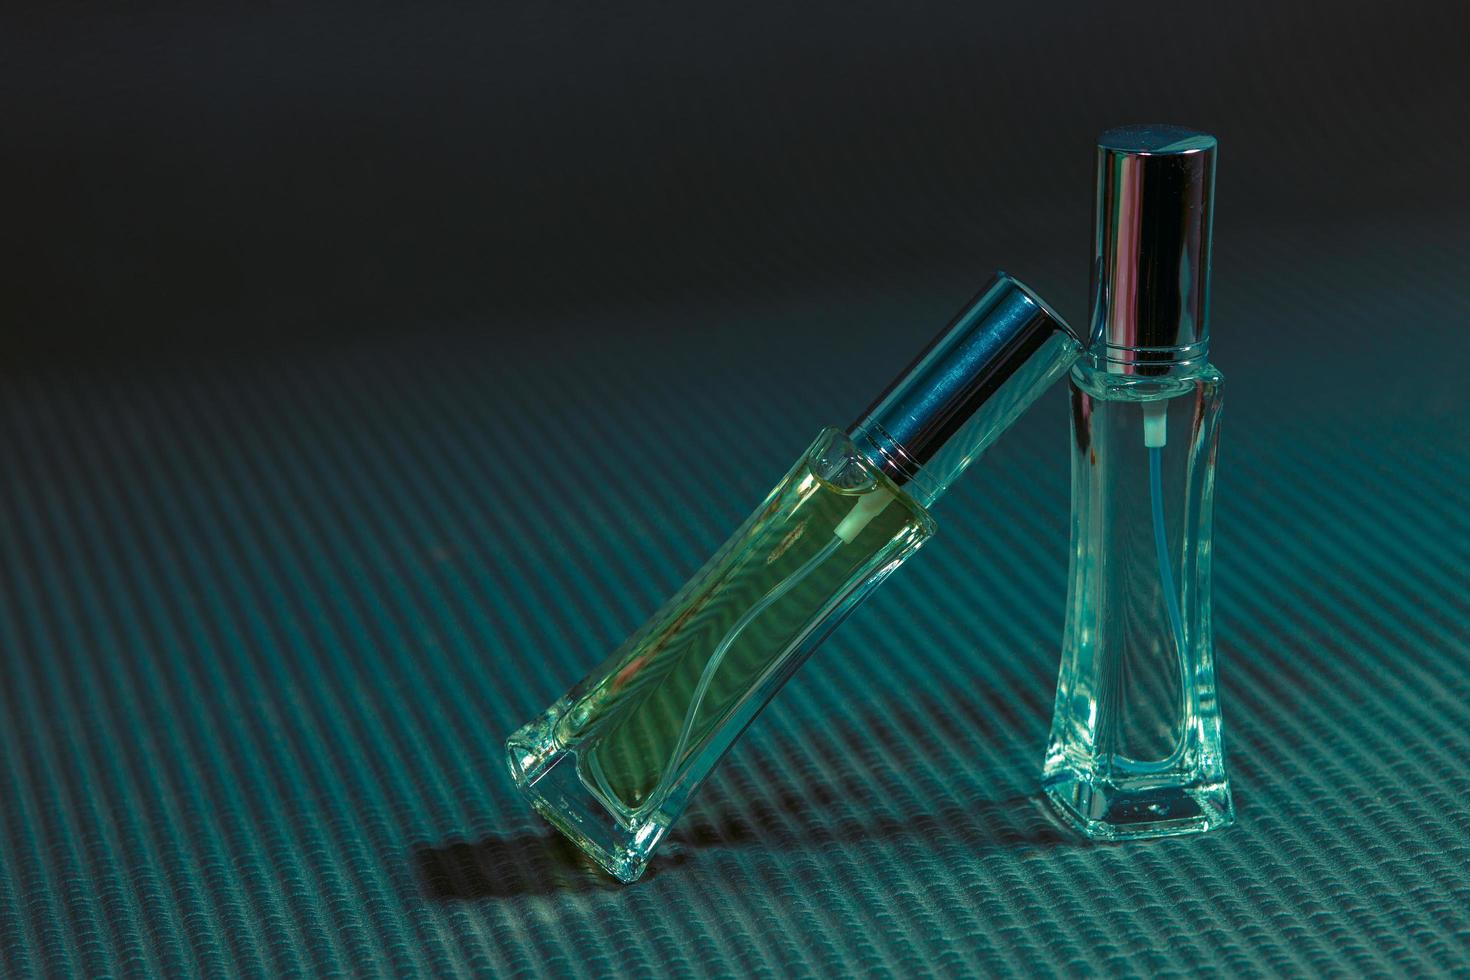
1136, 744
613, 763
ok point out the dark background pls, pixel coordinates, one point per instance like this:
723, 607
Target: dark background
234, 178
370, 371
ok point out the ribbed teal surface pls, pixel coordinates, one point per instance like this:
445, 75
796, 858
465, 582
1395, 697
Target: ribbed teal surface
265, 623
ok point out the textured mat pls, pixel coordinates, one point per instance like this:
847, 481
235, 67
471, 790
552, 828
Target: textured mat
265, 622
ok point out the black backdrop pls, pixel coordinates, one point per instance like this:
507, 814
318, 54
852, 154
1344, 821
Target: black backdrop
241, 175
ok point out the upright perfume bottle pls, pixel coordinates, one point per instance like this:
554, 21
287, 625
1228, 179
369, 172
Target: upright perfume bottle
1135, 748
613, 763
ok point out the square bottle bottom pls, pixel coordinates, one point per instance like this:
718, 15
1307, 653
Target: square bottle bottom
1117, 812
546, 773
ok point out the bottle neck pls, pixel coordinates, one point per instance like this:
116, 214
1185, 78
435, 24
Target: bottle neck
887, 455
1149, 362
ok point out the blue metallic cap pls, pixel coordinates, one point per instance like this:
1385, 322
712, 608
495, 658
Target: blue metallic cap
996, 356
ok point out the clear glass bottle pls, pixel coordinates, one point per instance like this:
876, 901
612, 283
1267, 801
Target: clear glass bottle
1136, 747
613, 763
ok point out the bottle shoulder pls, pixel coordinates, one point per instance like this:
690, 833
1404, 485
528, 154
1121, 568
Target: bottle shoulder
837, 463
1111, 386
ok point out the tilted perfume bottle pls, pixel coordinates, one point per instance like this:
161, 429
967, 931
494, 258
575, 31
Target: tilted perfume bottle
613, 763
1136, 743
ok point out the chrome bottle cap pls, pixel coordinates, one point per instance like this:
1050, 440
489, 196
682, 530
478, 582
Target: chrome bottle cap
974, 379
1151, 254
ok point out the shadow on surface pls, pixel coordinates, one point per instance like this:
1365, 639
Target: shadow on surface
502, 867
547, 864
788, 821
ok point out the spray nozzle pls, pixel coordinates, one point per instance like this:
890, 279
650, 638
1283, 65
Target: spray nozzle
1155, 424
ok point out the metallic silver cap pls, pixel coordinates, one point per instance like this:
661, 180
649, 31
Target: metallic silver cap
1151, 255
1000, 351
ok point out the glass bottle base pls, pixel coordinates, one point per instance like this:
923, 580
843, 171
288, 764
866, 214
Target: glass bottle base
546, 773
1111, 812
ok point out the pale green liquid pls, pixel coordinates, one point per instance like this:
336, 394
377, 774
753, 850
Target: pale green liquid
789, 566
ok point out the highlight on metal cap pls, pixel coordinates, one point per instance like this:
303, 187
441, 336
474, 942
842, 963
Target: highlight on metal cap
1151, 255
